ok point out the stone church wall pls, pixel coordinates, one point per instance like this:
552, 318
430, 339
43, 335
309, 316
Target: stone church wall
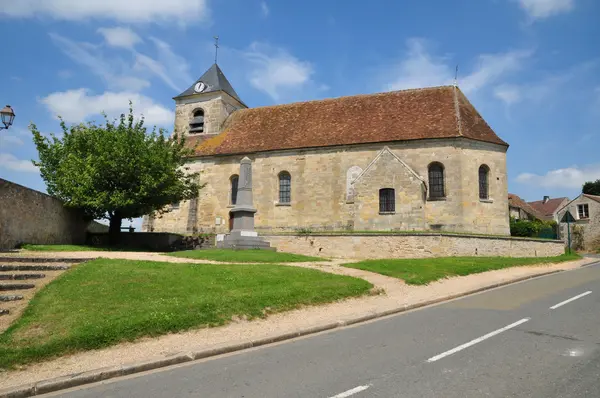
323, 200
356, 246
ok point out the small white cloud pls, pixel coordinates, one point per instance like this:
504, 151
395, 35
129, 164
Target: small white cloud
570, 177
171, 68
8, 140
275, 71
264, 8
11, 162
508, 93
119, 10
76, 106
120, 37
419, 68
539, 9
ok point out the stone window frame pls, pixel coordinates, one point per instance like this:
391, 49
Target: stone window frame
483, 178
583, 211
433, 195
232, 191
284, 188
387, 201
193, 115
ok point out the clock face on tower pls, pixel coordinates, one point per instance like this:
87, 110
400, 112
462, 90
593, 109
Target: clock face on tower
200, 87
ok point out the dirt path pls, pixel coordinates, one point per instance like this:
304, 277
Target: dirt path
395, 294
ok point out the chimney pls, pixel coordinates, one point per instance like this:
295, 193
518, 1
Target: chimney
546, 199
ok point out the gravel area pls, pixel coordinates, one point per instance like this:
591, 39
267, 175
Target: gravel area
395, 293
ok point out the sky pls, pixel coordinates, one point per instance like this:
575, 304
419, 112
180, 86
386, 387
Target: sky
530, 67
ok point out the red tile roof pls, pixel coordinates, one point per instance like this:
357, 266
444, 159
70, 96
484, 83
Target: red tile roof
436, 112
549, 208
516, 201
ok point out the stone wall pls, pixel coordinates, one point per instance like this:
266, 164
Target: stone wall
590, 226
29, 216
379, 246
329, 193
216, 106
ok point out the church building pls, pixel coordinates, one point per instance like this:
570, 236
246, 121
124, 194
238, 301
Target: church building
412, 160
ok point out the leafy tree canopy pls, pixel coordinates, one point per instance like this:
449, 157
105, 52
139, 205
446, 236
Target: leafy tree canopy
116, 170
592, 187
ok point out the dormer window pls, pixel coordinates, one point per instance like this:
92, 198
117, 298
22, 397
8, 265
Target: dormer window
197, 123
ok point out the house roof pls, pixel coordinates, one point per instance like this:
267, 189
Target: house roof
428, 113
215, 80
549, 208
516, 201
593, 197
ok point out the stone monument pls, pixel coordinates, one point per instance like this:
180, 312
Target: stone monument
243, 236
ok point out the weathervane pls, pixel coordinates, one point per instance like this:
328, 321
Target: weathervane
216, 47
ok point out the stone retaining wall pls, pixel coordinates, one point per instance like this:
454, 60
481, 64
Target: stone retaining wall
356, 246
29, 216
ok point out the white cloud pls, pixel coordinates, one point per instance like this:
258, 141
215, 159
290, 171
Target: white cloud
539, 9
179, 11
275, 71
508, 93
419, 68
76, 106
8, 140
120, 37
264, 8
171, 68
116, 74
570, 177
11, 162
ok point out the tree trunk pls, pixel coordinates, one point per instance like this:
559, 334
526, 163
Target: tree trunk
114, 229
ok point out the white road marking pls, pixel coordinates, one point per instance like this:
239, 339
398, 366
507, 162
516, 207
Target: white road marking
569, 300
477, 340
351, 392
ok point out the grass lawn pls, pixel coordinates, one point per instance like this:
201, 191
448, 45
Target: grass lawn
424, 270
62, 248
103, 302
244, 256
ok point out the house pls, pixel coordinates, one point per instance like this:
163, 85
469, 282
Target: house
585, 209
521, 210
419, 159
548, 208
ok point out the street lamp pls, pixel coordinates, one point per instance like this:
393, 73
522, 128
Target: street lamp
8, 115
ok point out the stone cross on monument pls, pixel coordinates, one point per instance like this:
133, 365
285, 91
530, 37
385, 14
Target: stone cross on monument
243, 235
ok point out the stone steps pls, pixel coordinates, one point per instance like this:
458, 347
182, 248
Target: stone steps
4, 312
20, 277
15, 286
6, 298
32, 267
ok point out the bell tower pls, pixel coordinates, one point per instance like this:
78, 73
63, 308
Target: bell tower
202, 109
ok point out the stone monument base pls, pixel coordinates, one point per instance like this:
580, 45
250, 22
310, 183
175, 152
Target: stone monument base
244, 240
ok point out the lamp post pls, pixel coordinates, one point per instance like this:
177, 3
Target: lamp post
8, 116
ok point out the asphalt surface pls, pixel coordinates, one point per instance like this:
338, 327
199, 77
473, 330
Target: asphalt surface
507, 342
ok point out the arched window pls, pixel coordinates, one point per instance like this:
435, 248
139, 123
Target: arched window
197, 123
234, 188
387, 200
436, 180
285, 187
484, 188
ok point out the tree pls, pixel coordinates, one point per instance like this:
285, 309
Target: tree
115, 171
592, 187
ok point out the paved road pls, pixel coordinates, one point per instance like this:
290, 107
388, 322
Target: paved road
503, 343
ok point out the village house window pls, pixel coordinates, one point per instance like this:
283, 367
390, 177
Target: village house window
484, 189
436, 181
583, 211
387, 200
285, 187
234, 189
197, 123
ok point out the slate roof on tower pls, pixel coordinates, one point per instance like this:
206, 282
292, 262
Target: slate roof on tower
215, 80
428, 113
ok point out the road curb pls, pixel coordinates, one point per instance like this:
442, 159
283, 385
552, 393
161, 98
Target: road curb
93, 376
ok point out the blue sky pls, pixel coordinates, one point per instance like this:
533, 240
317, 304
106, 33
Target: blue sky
531, 67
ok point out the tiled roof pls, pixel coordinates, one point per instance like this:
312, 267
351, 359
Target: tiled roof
593, 197
516, 201
549, 208
437, 112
